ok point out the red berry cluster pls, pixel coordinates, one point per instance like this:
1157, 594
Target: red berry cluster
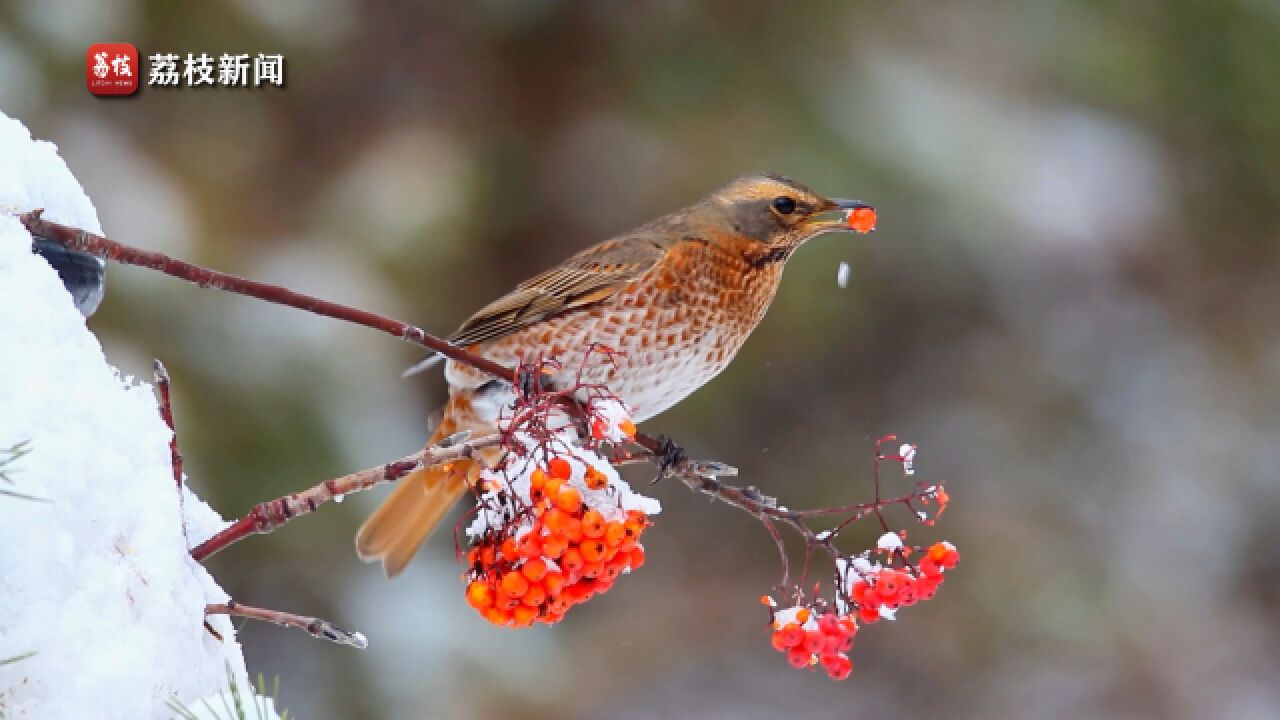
521, 574
811, 636
890, 589
809, 639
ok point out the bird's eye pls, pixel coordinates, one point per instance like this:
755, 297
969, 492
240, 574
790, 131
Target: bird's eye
784, 205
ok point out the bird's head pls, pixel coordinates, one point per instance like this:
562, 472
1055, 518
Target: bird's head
778, 214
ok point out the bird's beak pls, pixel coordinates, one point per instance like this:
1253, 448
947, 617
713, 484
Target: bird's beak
821, 223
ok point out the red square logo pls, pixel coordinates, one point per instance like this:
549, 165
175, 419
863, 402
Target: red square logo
111, 69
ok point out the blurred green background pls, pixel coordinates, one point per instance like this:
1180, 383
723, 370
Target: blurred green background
1071, 304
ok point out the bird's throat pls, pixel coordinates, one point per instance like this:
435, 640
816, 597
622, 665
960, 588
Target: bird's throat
768, 255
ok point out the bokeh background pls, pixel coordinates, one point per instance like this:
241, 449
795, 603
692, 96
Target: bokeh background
1071, 304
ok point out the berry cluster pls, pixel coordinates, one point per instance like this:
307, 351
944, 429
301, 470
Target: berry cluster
816, 634
810, 638
880, 591
566, 533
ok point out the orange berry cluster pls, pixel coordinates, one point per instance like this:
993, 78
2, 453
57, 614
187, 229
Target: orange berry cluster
809, 639
892, 589
520, 576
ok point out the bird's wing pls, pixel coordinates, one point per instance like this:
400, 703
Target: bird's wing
581, 281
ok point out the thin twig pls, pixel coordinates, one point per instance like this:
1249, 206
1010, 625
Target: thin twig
94, 244
161, 376
267, 516
782, 548
166, 413
313, 626
175, 456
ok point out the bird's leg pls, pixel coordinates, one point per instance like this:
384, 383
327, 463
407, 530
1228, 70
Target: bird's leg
579, 415
529, 380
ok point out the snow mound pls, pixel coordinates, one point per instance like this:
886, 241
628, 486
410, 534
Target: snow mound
101, 612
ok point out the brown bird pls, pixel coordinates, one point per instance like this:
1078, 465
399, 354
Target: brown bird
677, 297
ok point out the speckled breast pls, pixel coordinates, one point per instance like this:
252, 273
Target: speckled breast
676, 327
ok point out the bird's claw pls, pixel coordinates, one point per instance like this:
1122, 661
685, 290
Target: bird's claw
529, 380
670, 455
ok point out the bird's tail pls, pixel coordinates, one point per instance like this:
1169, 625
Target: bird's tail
395, 531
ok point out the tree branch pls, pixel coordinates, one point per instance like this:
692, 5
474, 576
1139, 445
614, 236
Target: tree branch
267, 516
84, 241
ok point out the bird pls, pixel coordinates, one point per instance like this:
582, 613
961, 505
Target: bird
675, 299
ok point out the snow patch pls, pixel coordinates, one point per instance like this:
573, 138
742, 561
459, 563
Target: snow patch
889, 541
100, 592
908, 454
790, 615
